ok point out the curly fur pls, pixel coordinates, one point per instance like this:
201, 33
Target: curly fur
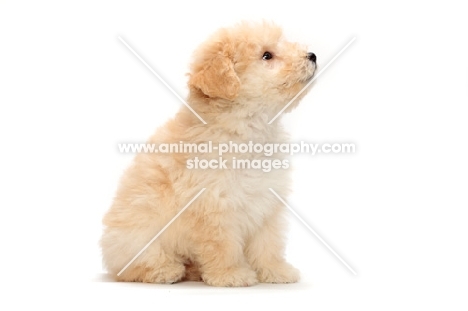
232, 235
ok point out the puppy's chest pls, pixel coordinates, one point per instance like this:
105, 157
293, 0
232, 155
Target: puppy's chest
248, 189
249, 200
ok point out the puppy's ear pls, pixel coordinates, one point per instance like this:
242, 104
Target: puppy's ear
217, 78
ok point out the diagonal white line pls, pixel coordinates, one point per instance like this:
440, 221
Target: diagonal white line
313, 79
315, 233
161, 79
160, 232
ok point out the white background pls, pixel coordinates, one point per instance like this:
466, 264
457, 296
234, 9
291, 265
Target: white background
396, 210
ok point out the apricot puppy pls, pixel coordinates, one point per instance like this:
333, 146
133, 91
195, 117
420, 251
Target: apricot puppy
232, 234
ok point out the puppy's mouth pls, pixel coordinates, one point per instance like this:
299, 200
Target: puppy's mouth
308, 78
309, 75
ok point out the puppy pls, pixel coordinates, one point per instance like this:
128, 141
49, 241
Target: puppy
232, 234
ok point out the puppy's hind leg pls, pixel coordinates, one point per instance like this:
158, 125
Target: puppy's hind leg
155, 266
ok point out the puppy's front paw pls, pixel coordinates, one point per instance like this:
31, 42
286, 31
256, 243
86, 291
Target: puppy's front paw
232, 277
168, 274
281, 272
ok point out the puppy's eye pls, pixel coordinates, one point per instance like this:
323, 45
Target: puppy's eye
267, 56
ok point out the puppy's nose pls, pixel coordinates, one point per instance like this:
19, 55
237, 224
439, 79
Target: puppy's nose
312, 57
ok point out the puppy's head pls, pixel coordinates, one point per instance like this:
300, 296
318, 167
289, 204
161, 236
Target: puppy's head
251, 64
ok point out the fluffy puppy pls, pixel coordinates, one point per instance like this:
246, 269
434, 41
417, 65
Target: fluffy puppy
232, 234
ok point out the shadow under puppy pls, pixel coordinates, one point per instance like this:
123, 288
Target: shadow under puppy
232, 234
